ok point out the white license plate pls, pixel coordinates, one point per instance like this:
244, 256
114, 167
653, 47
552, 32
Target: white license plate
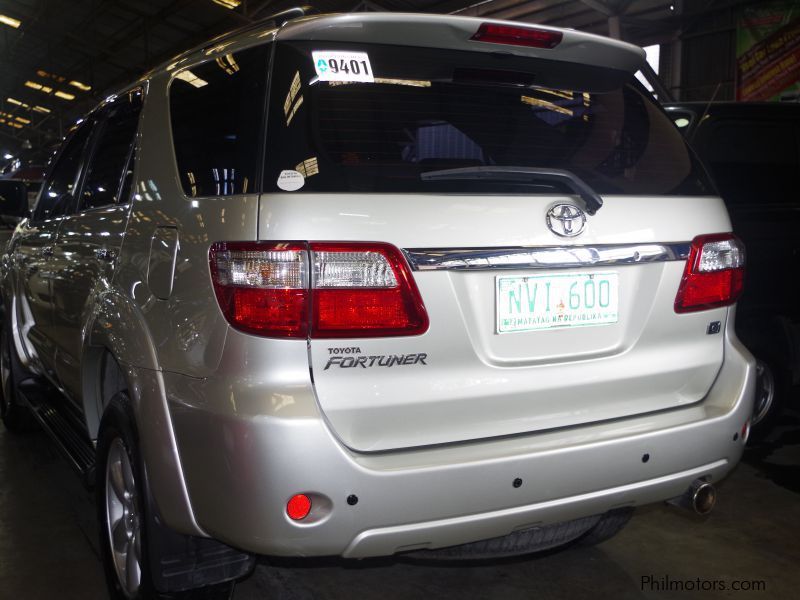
550, 301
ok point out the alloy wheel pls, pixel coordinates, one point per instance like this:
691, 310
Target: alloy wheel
123, 518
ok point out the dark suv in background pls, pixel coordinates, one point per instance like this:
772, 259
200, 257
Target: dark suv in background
752, 151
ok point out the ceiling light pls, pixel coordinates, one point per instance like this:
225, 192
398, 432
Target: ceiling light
41, 109
228, 3
18, 103
11, 22
38, 86
64, 95
23, 120
8, 156
81, 86
190, 77
43, 73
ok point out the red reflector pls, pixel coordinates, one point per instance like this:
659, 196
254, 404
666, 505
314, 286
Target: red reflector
714, 273
298, 507
517, 36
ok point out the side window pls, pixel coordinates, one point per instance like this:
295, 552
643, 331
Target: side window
108, 166
216, 111
59, 187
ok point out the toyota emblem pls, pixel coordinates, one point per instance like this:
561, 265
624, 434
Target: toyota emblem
566, 220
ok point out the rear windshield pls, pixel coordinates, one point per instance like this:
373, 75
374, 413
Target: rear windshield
426, 110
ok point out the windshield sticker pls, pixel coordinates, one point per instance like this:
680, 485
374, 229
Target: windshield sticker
308, 167
342, 66
290, 180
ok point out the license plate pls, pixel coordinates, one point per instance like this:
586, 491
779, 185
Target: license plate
551, 301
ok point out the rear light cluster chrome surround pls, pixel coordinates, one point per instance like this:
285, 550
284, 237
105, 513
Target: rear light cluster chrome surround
714, 273
298, 289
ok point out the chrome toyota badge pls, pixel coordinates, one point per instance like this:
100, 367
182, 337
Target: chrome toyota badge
566, 220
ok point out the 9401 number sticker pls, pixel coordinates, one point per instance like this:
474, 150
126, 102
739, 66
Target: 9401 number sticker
342, 66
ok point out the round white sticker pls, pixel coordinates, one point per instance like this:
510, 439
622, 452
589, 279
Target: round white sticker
290, 180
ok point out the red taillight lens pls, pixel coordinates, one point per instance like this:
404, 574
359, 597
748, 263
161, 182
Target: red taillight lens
364, 290
518, 36
346, 289
298, 507
262, 288
714, 273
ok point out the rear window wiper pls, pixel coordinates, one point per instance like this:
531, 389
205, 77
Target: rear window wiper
590, 198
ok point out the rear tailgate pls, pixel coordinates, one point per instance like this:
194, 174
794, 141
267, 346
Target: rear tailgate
491, 268
464, 380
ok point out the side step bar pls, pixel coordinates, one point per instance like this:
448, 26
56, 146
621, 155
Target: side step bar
70, 439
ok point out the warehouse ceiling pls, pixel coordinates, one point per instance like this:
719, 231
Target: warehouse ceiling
61, 57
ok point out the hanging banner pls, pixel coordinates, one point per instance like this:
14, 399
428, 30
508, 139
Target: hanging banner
768, 52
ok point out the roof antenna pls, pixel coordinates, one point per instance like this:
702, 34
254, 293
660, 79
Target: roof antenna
705, 112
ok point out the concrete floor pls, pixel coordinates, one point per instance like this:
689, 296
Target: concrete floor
48, 544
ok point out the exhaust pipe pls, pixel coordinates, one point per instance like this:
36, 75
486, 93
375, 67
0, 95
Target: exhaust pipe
700, 497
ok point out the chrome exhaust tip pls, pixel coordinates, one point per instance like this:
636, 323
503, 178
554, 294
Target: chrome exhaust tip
700, 497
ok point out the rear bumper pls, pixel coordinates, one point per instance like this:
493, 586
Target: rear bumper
241, 468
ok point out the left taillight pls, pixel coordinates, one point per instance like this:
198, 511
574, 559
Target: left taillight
262, 288
317, 290
714, 273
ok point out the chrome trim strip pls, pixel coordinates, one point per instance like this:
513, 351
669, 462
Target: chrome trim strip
543, 257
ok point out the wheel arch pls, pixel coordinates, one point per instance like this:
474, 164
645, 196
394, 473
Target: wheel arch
115, 335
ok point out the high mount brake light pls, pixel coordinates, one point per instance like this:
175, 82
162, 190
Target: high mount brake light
714, 273
518, 36
317, 290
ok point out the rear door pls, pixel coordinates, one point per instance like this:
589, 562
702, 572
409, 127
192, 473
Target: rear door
89, 239
542, 315
34, 247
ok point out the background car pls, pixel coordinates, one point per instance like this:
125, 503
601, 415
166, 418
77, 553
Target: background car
752, 151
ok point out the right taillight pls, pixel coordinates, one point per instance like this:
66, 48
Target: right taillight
714, 273
317, 290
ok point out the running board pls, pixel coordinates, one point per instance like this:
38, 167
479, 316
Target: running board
70, 439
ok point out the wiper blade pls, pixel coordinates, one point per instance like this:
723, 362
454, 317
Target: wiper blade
591, 199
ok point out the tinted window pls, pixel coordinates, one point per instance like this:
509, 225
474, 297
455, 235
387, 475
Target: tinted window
440, 109
216, 110
56, 198
111, 152
753, 161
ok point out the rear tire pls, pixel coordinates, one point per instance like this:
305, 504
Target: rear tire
120, 504
611, 523
16, 415
126, 514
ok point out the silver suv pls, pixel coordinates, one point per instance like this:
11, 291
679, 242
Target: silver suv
365, 284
